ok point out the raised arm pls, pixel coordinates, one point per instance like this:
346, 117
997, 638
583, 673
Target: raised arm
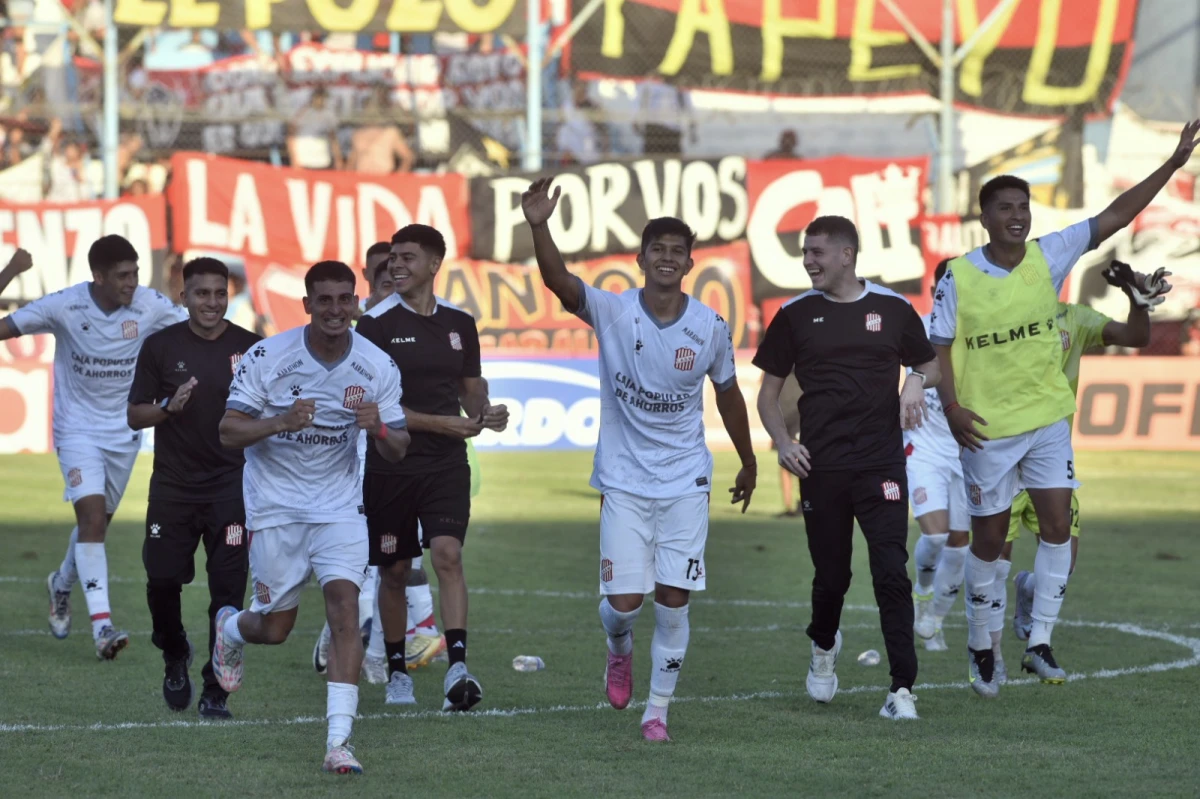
21, 261
1121, 212
539, 204
1134, 331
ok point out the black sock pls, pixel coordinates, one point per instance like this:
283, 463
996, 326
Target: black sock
395, 657
456, 645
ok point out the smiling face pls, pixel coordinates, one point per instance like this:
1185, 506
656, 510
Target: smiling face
117, 284
827, 260
1007, 218
666, 260
206, 298
412, 267
331, 305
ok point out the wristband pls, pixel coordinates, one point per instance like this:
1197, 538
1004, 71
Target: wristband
950, 407
752, 466
922, 376
382, 434
164, 405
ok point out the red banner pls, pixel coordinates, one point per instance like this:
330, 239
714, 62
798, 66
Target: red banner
58, 236
26, 382
881, 196
296, 217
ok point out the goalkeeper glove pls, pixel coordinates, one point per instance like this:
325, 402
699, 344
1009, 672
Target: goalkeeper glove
1147, 294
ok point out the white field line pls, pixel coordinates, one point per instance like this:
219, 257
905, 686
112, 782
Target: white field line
1191, 644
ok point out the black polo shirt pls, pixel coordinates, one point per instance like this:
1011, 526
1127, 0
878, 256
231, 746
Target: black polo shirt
434, 354
190, 465
847, 358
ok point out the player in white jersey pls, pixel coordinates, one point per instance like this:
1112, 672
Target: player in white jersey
296, 405
652, 467
98, 329
938, 497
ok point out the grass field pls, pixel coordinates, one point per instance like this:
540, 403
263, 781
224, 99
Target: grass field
743, 725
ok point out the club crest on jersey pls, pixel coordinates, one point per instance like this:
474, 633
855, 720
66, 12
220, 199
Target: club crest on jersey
129, 329
354, 397
919, 496
74, 477
891, 490
874, 322
234, 360
262, 593
387, 544
606, 570
976, 494
685, 359
455, 341
233, 535
1066, 338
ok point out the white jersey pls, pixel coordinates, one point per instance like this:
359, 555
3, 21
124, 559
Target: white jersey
933, 442
651, 441
310, 476
94, 358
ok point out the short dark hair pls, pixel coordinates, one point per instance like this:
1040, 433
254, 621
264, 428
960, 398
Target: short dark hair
667, 226
940, 271
379, 270
999, 184
379, 248
204, 266
108, 251
427, 238
835, 227
334, 271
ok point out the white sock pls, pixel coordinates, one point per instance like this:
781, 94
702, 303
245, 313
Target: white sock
948, 579
68, 575
667, 650
341, 706
1052, 566
978, 577
366, 595
999, 600
618, 625
375, 648
232, 631
93, 571
928, 551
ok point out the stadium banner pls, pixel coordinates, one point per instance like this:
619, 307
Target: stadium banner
241, 105
297, 217
332, 16
1138, 403
514, 309
26, 398
1053, 56
58, 236
554, 404
881, 196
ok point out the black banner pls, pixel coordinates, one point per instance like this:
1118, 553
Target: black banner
1027, 63
604, 207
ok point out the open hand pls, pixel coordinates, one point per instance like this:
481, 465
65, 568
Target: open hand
538, 203
912, 403
962, 425
1188, 139
794, 457
182, 395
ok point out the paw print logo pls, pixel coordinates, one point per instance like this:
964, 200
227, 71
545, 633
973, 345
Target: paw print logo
259, 352
295, 391
673, 664
979, 599
940, 295
241, 372
155, 530
86, 327
91, 585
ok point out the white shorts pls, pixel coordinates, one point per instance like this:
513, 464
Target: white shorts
1042, 458
647, 541
282, 559
90, 470
938, 486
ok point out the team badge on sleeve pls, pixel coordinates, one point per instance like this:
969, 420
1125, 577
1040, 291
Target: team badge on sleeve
455, 340
685, 359
354, 397
874, 322
129, 329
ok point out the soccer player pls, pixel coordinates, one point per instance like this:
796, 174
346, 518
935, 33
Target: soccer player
846, 340
939, 503
179, 387
1081, 329
296, 405
425, 501
377, 275
652, 467
98, 328
997, 343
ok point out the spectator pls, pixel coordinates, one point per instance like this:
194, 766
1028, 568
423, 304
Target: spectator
1190, 335
68, 174
788, 141
662, 109
137, 188
312, 135
377, 146
581, 139
14, 147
